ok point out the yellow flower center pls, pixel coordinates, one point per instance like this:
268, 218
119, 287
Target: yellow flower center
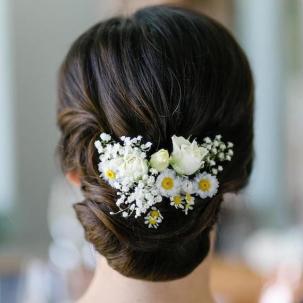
204, 185
177, 200
154, 214
110, 174
167, 183
152, 220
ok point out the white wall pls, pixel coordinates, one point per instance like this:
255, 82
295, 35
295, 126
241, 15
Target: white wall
262, 32
7, 148
41, 32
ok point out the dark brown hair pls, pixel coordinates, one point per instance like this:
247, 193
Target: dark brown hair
162, 71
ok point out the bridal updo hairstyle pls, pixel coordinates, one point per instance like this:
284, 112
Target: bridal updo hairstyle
160, 72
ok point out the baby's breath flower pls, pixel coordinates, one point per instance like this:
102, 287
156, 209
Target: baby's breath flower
214, 171
153, 171
208, 147
105, 137
221, 156
207, 140
99, 146
212, 163
222, 146
148, 144
230, 152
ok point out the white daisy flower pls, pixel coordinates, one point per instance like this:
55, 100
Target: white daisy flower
206, 185
168, 183
187, 208
189, 199
153, 218
177, 201
110, 170
189, 205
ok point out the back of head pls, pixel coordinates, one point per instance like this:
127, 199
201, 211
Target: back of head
161, 72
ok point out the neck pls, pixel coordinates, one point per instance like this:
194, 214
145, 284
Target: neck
110, 286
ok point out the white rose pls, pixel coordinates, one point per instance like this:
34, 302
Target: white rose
159, 160
133, 166
187, 157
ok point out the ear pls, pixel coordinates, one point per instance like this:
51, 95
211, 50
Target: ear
73, 177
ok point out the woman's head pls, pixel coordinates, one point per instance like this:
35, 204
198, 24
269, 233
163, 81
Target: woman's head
161, 72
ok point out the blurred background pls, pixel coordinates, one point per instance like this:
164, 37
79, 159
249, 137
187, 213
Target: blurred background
43, 256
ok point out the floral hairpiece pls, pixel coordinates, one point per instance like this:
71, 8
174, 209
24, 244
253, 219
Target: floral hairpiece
189, 171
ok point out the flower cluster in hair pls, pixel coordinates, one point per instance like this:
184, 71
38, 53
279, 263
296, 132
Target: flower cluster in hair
142, 182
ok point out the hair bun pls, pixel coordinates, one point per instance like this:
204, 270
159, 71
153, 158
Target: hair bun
182, 73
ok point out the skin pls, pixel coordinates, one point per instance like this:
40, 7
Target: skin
110, 286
